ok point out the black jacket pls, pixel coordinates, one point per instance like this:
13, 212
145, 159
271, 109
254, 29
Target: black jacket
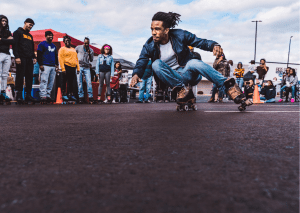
4, 34
269, 92
24, 46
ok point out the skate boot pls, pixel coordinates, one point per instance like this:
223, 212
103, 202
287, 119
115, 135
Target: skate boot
185, 99
5, 98
211, 100
65, 99
44, 100
80, 101
234, 92
72, 99
50, 100
19, 98
108, 100
30, 100
91, 100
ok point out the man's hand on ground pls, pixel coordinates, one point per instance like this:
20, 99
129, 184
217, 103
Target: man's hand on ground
217, 51
134, 80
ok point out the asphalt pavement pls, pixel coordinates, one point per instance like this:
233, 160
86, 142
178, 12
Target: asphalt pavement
149, 158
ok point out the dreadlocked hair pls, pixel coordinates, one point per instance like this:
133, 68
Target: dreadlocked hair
170, 20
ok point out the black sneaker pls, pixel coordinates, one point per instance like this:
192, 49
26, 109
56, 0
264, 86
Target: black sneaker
139, 102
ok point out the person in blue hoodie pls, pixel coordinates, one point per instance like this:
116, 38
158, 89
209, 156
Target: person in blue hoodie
175, 65
47, 58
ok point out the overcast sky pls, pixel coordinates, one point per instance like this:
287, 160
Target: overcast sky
125, 24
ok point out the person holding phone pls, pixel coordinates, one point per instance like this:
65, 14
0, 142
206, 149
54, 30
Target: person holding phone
268, 91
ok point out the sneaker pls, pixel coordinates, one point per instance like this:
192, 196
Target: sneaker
138, 102
211, 100
148, 101
5, 97
280, 100
292, 100
114, 101
220, 100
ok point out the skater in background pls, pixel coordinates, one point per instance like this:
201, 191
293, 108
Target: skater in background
47, 57
222, 66
23, 50
6, 40
145, 84
239, 74
114, 84
105, 69
68, 61
85, 56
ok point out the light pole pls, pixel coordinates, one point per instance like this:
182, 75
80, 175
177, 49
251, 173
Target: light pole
255, 39
289, 51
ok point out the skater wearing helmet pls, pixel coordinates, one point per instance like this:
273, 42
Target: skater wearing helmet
175, 65
6, 40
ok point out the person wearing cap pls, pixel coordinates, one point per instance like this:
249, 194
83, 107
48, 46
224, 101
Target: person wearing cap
23, 50
47, 58
85, 56
6, 40
239, 73
105, 69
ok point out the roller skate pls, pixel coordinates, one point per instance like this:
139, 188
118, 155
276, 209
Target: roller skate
43, 100
185, 99
65, 99
234, 92
92, 101
50, 100
72, 99
30, 100
19, 99
4, 99
80, 101
108, 100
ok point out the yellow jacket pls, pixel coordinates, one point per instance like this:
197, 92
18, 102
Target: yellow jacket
68, 56
239, 73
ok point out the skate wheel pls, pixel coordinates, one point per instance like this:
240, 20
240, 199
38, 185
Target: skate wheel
186, 108
241, 108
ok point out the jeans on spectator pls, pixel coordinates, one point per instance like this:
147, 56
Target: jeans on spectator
214, 91
272, 100
5, 61
191, 74
47, 81
293, 88
87, 73
240, 82
145, 86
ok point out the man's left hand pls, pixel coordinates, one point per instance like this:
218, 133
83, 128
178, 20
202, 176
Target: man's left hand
217, 51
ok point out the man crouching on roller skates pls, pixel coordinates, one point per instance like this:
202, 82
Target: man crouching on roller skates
176, 66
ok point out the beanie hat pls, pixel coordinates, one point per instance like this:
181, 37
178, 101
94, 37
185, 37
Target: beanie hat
48, 33
29, 20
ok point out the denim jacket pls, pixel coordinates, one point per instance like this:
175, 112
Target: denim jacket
109, 61
180, 40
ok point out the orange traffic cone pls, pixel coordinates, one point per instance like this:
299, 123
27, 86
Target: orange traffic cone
256, 97
58, 97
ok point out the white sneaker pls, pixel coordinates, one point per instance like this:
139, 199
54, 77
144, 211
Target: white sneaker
105, 101
114, 101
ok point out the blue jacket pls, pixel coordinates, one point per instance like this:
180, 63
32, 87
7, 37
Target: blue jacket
180, 40
109, 61
268, 92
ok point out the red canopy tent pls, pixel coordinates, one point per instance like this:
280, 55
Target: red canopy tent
39, 36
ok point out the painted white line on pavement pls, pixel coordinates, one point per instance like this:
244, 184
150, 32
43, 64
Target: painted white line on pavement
252, 111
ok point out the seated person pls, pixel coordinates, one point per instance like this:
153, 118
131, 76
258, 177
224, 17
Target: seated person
291, 80
269, 92
249, 88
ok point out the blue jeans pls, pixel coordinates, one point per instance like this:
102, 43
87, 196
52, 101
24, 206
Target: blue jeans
214, 91
87, 73
240, 82
272, 100
47, 81
145, 86
293, 91
191, 74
